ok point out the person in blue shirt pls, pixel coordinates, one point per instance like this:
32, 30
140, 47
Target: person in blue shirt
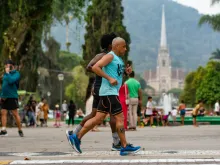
106, 45
111, 68
9, 96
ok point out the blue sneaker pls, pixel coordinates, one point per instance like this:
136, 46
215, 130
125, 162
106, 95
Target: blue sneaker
68, 134
75, 142
129, 149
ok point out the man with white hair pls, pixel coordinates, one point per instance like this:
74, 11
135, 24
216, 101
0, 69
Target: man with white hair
111, 68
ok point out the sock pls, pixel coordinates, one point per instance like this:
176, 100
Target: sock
77, 129
3, 128
115, 137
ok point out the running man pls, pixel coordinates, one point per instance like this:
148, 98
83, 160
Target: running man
106, 45
111, 69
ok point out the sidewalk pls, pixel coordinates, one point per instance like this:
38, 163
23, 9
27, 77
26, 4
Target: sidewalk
157, 143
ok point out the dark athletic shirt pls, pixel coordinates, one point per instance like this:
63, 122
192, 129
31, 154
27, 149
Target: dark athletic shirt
98, 82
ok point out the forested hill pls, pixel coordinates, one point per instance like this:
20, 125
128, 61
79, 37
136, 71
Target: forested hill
189, 44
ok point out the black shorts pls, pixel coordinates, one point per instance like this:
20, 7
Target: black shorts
109, 104
194, 116
146, 116
10, 104
95, 103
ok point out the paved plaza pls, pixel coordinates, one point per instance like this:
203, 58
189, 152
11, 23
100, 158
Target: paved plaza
161, 145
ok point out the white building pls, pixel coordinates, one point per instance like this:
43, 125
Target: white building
164, 77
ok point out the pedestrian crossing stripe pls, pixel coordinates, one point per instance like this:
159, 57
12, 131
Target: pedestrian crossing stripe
92, 161
101, 154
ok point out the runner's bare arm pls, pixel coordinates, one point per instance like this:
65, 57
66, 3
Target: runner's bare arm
97, 68
94, 61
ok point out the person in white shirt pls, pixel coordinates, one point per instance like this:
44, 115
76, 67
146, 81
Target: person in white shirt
149, 111
64, 109
38, 112
217, 108
174, 113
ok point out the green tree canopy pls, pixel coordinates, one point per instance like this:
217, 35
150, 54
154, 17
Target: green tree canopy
209, 90
103, 17
77, 89
189, 91
22, 26
203, 84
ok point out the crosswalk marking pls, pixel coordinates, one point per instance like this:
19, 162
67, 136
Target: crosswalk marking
116, 154
116, 161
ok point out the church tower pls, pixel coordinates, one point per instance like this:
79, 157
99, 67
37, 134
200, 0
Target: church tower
164, 69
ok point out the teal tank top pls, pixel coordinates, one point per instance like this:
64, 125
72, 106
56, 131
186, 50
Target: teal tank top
114, 69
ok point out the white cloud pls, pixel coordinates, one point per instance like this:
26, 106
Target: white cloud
203, 6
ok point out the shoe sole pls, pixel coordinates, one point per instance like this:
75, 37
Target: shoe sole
132, 152
3, 135
73, 146
68, 139
114, 149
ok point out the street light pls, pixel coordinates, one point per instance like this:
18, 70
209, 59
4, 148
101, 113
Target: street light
61, 78
48, 94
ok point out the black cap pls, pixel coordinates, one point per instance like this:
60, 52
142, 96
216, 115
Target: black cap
9, 62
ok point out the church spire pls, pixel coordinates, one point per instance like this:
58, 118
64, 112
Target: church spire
163, 39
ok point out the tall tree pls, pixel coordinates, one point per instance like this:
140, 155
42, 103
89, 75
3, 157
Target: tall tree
103, 17
209, 90
23, 23
77, 89
189, 92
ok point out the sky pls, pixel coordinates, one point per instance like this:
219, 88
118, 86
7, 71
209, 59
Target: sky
203, 6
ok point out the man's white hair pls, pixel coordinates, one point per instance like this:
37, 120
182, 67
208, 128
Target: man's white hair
117, 40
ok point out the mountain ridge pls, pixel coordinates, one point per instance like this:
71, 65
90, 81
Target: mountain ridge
189, 44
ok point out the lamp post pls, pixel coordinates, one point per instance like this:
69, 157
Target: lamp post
61, 78
39, 81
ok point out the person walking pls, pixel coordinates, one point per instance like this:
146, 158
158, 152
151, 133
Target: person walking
9, 96
64, 109
217, 109
149, 112
195, 112
72, 112
45, 108
182, 111
135, 98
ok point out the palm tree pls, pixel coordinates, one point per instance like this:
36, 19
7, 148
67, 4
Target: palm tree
213, 20
215, 55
